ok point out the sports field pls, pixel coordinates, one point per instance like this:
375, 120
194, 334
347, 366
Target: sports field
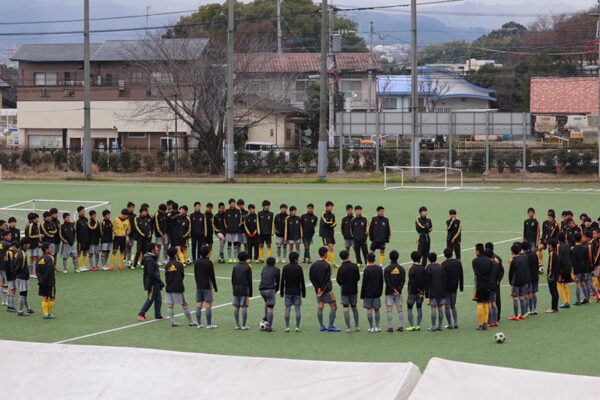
100, 308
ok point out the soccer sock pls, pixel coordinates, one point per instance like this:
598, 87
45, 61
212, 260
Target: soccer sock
332, 257
567, 292
448, 315
209, 316
370, 319
286, 316
486, 313
534, 302
355, 312
480, 314
278, 252
410, 316
45, 307
221, 249
171, 314
186, 312
2, 295
320, 316
65, 264
21, 303
440, 318
26, 303
229, 248
182, 257
74, 262
11, 301
121, 258
578, 294
78, 261
541, 257
377, 319
419, 315
530, 303
285, 253
455, 315
401, 318
381, 260
298, 316
308, 252
84, 262
236, 315
261, 253
50, 305
270, 318
332, 313
347, 318
516, 306
269, 252
244, 317
390, 318
236, 250
103, 260
561, 291
199, 315
523, 307
597, 284
112, 259
433, 317
586, 293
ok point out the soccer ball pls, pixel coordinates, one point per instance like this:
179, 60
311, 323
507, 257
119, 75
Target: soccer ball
541, 270
264, 325
188, 261
499, 337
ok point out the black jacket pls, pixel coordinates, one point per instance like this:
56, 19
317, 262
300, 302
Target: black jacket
44, 269
159, 224
501, 270
208, 216
372, 283
553, 266
265, 223
174, 275
423, 226
320, 276
4, 247
531, 230
292, 281
454, 230
56, 223
359, 228
453, 275
16, 234
269, 278
581, 256
279, 224
380, 230
82, 230
32, 232
293, 228
518, 270
204, 272
94, 229
482, 268
67, 233
309, 223
417, 279
327, 224
131, 218
151, 275
346, 227
347, 277
20, 265
244, 212
218, 223
9, 263
251, 224
564, 262
549, 230
394, 276
534, 264
436, 281
241, 279
172, 218
233, 220
49, 230
106, 231
143, 227
182, 227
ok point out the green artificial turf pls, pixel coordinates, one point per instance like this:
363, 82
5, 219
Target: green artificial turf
93, 302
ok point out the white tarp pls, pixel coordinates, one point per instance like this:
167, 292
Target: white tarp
448, 380
47, 371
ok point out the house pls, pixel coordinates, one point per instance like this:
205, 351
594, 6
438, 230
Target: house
50, 96
439, 89
287, 76
563, 96
3, 99
472, 64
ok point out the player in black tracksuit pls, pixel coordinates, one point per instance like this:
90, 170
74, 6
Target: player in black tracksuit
533, 263
453, 281
360, 231
347, 277
380, 233
56, 222
417, 286
198, 233
218, 224
565, 269
241, 283
320, 277
518, 276
174, 287
143, 235
233, 221
251, 227
293, 230
371, 291
279, 227
293, 289
454, 231
552, 273
82, 232
309, 223
346, 227
327, 226
394, 276
268, 287
436, 292
550, 229
424, 227
206, 282
265, 230
482, 269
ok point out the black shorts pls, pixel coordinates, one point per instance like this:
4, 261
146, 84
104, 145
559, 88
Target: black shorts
327, 240
47, 291
209, 239
83, 246
266, 239
482, 295
180, 242
377, 246
119, 243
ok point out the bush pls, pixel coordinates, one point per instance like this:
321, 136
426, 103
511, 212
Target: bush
333, 160
500, 161
478, 161
96, 156
271, 161
125, 160
113, 162
586, 161
60, 158
512, 158
161, 156
75, 162
355, 164
369, 161
307, 159
136, 162
568, 159
198, 160
149, 163
103, 162
26, 157
439, 159
426, 157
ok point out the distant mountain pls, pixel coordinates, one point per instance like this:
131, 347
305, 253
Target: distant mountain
394, 28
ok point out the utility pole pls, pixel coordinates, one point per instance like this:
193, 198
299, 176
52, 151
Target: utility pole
415, 151
323, 138
229, 147
371, 67
332, 84
176, 140
279, 27
87, 135
598, 117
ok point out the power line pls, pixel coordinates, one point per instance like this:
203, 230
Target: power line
394, 6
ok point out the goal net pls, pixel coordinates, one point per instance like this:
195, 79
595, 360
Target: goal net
21, 210
445, 178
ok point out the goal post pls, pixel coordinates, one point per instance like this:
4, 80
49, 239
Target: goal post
22, 209
445, 178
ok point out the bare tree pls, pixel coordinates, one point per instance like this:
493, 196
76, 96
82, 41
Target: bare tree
433, 91
187, 78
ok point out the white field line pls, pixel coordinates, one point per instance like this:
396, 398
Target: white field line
214, 307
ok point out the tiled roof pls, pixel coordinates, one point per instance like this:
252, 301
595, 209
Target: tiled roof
574, 95
302, 62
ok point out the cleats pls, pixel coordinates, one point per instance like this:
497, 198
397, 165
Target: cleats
49, 316
449, 326
400, 329
333, 329
410, 329
237, 327
551, 311
83, 269
23, 314
481, 328
221, 260
65, 271
76, 270
390, 330
513, 318
111, 268
287, 330
245, 328
160, 318
231, 261
10, 309
522, 317
174, 323
371, 330
142, 318
199, 325
308, 261
432, 329
577, 303
348, 330
30, 311
212, 326
298, 330
192, 323
322, 329
121, 267
417, 328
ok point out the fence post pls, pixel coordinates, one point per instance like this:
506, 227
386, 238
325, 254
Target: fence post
378, 140
487, 143
341, 134
523, 124
450, 139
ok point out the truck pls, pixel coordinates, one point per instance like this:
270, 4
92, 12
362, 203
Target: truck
545, 124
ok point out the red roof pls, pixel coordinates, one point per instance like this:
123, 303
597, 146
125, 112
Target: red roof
303, 62
577, 95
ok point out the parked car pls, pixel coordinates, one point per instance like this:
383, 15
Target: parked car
263, 148
427, 142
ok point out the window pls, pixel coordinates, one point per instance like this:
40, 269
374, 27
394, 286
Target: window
124, 92
110, 80
163, 78
301, 86
45, 141
352, 88
136, 135
258, 86
136, 78
272, 132
44, 79
389, 103
288, 134
45, 92
152, 92
69, 78
69, 92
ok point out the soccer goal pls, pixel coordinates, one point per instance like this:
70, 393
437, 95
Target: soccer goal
397, 177
22, 209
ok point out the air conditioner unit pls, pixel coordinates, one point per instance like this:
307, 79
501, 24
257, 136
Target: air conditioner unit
121, 84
